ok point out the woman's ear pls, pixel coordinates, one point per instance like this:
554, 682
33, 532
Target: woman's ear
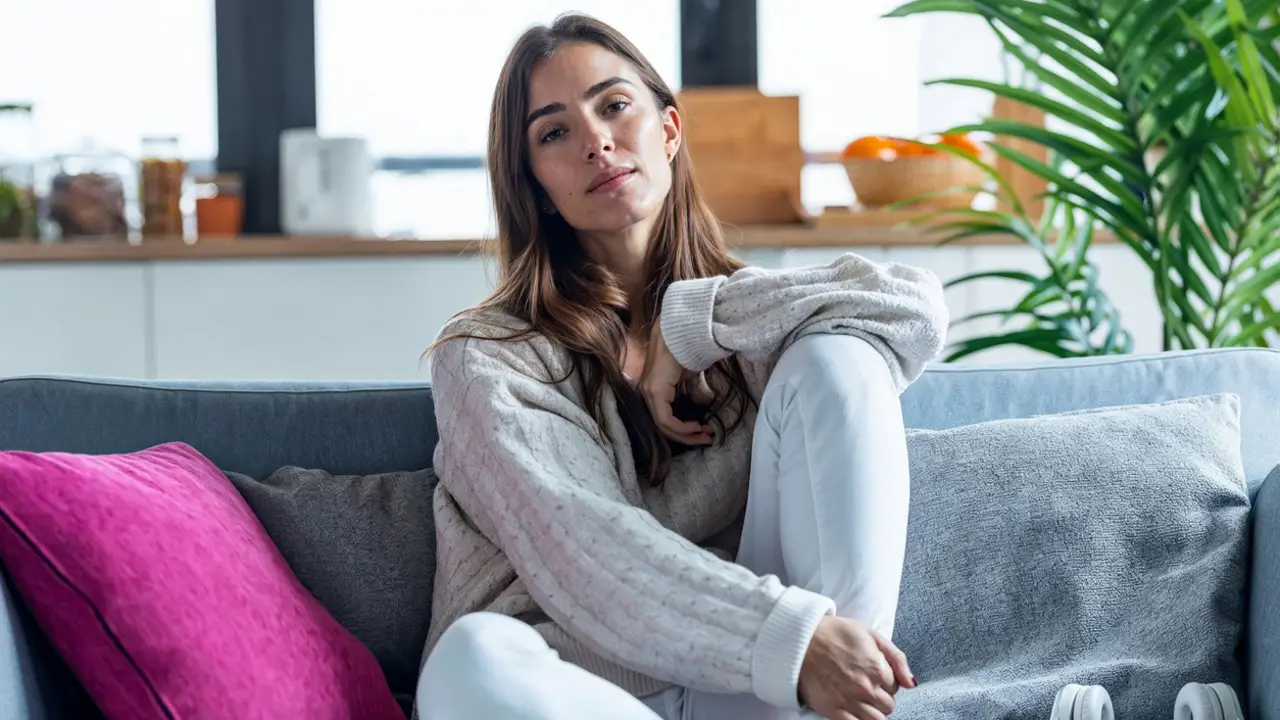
672, 131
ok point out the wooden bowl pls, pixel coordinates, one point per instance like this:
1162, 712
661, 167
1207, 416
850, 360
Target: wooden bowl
878, 182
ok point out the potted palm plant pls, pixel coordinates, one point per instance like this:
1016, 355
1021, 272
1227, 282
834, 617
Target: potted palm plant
1164, 132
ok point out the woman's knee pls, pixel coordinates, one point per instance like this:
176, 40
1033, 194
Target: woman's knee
487, 638
830, 368
476, 652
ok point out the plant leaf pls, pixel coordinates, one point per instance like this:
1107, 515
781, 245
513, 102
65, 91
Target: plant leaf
946, 192
1215, 218
976, 232
1257, 257
1016, 275
1041, 40
1073, 91
1251, 63
1123, 214
1103, 131
1249, 291
1249, 333
1003, 314
1152, 15
1031, 16
1193, 235
1239, 110
1044, 340
1117, 20
928, 6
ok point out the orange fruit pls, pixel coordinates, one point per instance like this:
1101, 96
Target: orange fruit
963, 143
915, 149
872, 146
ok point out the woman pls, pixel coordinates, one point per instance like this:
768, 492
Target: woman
631, 408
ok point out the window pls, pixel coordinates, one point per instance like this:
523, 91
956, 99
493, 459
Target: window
858, 73
112, 72
417, 78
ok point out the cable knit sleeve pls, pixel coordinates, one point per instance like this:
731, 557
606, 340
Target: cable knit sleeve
526, 463
899, 309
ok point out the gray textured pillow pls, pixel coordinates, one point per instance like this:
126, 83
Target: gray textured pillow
365, 547
1104, 547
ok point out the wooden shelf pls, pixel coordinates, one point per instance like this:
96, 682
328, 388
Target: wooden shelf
865, 229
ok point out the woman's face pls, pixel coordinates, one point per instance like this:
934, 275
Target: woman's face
598, 143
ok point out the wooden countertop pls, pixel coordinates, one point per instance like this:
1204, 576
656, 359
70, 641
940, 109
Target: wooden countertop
872, 229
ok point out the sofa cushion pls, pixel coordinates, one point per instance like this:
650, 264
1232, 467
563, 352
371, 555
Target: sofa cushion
365, 547
160, 589
1101, 547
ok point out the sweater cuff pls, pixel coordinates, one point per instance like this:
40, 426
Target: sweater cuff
687, 310
783, 642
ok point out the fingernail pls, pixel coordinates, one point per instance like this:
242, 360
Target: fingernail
914, 682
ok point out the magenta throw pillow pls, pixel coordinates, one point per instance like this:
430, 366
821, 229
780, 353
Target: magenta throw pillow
160, 589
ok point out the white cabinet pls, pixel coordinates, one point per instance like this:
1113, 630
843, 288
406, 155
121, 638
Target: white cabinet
322, 319
74, 318
371, 318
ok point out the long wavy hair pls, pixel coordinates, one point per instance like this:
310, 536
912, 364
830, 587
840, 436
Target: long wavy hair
547, 280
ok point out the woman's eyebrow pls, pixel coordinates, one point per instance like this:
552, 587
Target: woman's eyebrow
591, 92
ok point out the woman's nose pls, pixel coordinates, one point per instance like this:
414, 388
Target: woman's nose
599, 142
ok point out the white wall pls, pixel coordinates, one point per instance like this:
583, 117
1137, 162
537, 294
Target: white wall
362, 318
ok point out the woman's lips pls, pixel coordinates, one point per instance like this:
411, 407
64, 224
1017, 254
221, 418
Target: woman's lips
612, 180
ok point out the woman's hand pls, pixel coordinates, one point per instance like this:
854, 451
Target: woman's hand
852, 673
658, 383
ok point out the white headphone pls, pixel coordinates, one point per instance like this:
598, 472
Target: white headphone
1196, 701
1083, 702
1216, 701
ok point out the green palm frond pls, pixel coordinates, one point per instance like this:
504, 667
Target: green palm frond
1194, 82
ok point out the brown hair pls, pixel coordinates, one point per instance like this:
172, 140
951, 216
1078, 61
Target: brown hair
548, 281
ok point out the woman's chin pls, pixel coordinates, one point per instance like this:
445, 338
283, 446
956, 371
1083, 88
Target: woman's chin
617, 215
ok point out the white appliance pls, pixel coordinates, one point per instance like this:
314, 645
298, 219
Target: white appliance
325, 184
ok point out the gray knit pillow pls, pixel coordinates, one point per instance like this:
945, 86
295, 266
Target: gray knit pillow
1105, 547
365, 547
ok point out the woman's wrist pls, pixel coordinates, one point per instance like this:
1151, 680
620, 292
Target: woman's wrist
783, 644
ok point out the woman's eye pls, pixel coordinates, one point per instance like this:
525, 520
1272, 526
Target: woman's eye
552, 134
617, 106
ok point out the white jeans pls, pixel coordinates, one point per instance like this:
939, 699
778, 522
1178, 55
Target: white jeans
826, 510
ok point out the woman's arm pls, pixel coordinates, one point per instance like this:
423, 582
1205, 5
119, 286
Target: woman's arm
897, 308
523, 460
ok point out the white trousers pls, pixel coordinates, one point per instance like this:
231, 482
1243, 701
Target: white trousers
826, 510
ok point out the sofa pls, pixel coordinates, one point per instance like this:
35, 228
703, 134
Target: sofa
363, 428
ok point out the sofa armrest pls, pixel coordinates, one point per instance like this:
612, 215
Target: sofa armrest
35, 684
20, 695
1262, 631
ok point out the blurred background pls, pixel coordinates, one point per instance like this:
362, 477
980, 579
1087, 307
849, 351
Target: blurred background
294, 189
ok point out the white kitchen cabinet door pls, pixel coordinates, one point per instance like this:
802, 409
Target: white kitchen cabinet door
76, 319
324, 319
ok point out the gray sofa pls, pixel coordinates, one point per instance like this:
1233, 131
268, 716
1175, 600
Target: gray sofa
365, 428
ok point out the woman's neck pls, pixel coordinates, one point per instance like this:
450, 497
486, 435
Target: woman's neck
623, 252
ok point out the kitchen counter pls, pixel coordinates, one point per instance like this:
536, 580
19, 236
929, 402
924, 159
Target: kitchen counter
871, 229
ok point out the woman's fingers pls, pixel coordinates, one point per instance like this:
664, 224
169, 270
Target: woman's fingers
897, 661
880, 700
683, 431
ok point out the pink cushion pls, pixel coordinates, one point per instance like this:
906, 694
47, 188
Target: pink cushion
160, 589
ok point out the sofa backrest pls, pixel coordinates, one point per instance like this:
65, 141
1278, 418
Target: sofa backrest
251, 428
365, 427
955, 395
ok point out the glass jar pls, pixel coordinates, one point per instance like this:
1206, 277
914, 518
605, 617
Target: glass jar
17, 172
163, 177
92, 194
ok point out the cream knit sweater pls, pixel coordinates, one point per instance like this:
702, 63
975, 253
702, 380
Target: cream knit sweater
540, 515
